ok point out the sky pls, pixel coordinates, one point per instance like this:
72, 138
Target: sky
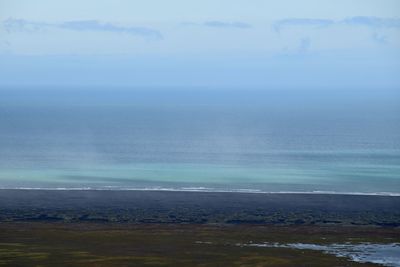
318, 44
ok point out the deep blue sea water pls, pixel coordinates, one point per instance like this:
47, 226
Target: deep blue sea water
344, 141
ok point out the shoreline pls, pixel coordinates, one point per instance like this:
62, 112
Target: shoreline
207, 190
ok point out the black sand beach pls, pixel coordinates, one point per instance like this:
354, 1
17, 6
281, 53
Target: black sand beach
198, 207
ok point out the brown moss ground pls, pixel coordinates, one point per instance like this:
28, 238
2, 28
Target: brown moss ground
91, 244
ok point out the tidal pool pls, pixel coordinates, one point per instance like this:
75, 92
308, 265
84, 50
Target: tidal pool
385, 254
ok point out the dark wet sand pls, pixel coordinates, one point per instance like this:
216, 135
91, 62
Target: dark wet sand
198, 207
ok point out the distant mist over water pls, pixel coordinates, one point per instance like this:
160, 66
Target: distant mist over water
201, 139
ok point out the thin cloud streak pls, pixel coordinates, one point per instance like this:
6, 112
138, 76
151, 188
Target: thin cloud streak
372, 22
21, 25
220, 24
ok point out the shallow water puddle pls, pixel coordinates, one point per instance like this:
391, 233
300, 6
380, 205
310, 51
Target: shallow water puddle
385, 254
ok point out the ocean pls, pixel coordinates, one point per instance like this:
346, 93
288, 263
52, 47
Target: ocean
193, 139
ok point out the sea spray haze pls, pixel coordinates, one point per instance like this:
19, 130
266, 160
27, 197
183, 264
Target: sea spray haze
249, 140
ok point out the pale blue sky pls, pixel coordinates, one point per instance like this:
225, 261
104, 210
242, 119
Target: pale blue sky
236, 43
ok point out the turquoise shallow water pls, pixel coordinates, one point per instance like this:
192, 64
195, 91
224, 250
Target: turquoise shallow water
248, 141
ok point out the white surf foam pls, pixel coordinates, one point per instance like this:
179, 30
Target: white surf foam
201, 189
